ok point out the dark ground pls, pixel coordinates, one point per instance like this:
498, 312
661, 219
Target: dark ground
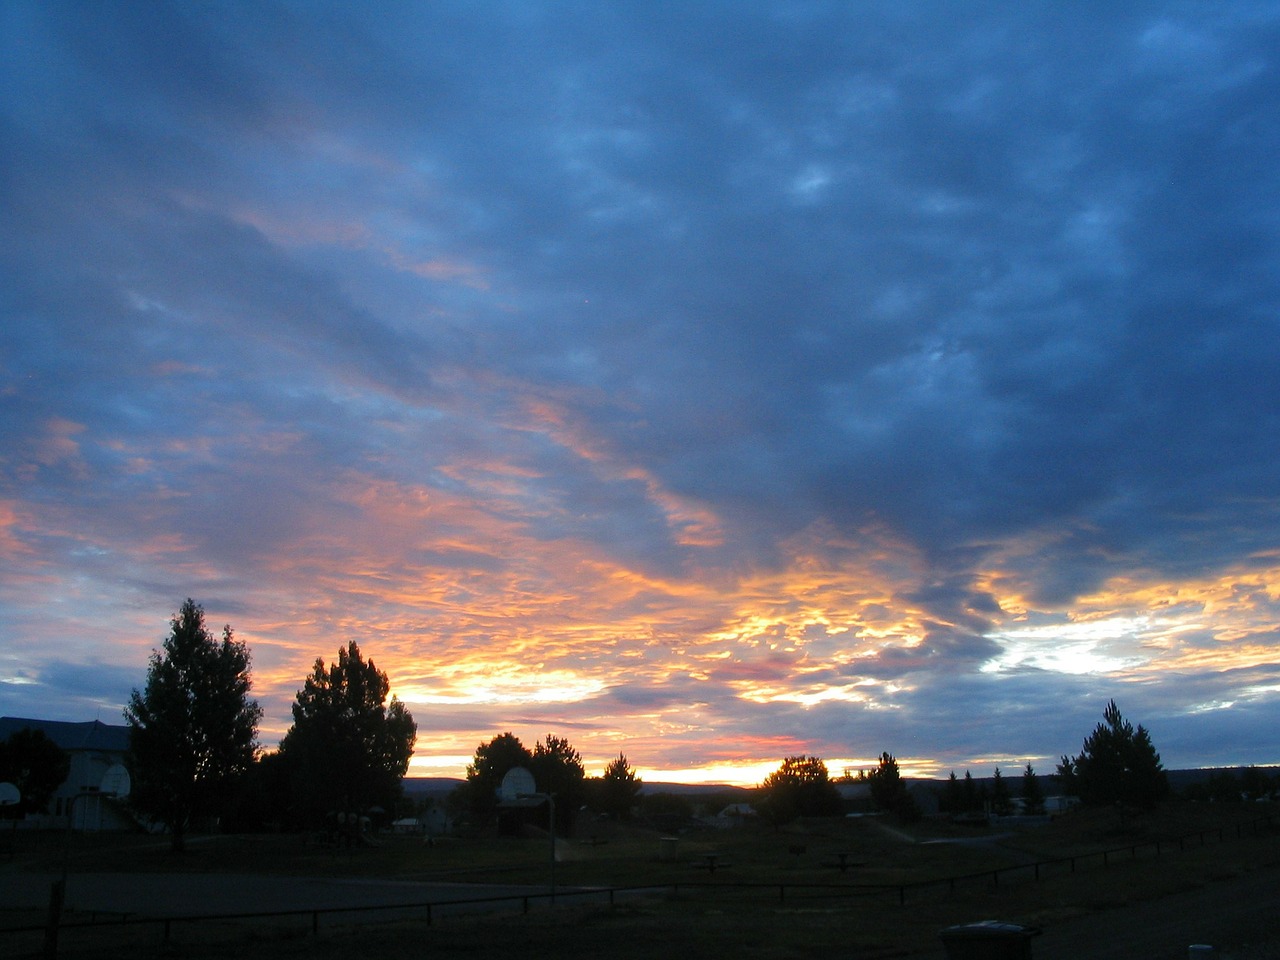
1239, 917
1222, 889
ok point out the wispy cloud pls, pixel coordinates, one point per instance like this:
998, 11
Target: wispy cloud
710, 384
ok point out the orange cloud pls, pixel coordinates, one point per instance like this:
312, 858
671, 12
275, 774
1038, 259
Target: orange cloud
12, 522
59, 444
466, 608
1143, 629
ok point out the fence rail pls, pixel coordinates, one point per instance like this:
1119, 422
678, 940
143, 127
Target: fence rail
430, 910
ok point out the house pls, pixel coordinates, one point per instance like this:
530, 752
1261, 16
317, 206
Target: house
855, 796
735, 815
94, 747
1056, 805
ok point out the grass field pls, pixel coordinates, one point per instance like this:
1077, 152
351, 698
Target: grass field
809, 907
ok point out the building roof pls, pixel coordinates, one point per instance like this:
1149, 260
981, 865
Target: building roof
72, 737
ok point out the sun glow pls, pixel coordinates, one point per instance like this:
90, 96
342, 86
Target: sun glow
751, 773
1086, 647
555, 637
493, 684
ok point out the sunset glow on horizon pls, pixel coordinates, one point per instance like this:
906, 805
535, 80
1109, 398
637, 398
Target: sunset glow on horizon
707, 385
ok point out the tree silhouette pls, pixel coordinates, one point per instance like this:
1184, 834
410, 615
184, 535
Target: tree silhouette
889, 790
557, 769
264, 798
618, 789
193, 728
971, 796
801, 787
493, 759
952, 800
1223, 787
348, 748
1118, 764
1001, 802
1032, 795
36, 766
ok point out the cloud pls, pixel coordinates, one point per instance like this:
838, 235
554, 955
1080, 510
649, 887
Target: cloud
768, 375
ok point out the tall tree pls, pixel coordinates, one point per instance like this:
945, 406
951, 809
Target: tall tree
35, 765
952, 797
348, 748
493, 760
192, 729
1117, 764
619, 788
970, 796
801, 787
1001, 802
265, 798
1032, 795
888, 789
557, 769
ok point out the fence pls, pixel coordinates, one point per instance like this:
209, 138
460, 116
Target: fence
426, 910
429, 911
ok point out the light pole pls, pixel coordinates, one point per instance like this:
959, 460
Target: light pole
518, 784
551, 828
551, 832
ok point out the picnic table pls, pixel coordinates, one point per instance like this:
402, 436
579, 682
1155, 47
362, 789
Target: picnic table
842, 862
710, 862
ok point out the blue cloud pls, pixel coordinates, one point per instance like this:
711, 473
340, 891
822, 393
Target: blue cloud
999, 287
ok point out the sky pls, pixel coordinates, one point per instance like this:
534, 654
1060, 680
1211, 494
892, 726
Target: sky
708, 383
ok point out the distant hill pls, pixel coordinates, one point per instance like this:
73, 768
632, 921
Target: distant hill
692, 789
430, 786
1179, 780
442, 786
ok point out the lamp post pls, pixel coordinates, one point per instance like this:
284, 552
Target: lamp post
518, 784
551, 829
551, 832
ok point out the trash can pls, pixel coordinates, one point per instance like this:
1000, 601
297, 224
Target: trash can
988, 940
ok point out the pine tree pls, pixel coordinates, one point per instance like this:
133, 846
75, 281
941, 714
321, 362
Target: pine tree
952, 797
348, 748
557, 769
1118, 764
971, 798
1032, 795
192, 728
1001, 804
619, 788
888, 789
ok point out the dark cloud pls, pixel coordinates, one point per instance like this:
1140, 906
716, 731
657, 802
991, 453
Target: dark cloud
672, 691
570, 297
96, 690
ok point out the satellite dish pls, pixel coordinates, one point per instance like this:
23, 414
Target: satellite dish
9, 795
516, 784
116, 781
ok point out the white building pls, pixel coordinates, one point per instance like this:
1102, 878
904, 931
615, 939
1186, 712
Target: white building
94, 747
